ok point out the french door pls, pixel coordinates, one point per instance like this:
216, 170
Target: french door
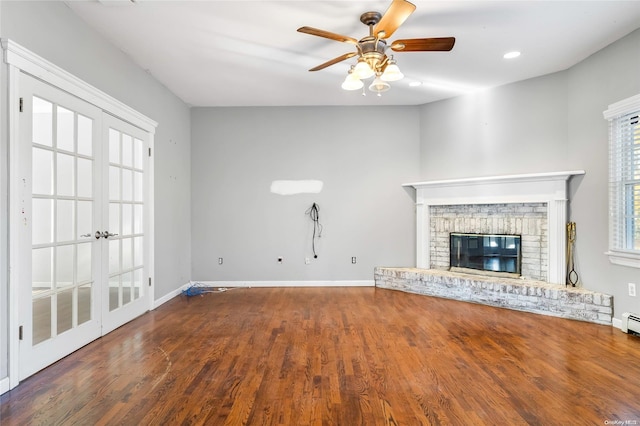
82, 247
124, 287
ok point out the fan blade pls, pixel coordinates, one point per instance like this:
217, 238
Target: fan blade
327, 34
423, 44
334, 61
397, 13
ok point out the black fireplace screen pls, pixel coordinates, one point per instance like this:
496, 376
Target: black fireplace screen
496, 253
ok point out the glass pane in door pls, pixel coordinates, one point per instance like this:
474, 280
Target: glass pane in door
42, 171
126, 288
65, 220
42, 123
65, 168
84, 303
65, 129
137, 284
85, 135
114, 293
41, 221
41, 270
85, 177
65, 311
41, 318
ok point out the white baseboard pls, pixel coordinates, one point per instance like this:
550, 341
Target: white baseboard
164, 299
248, 284
617, 323
4, 385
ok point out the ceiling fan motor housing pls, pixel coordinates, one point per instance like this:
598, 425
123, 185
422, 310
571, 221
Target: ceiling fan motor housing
373, 51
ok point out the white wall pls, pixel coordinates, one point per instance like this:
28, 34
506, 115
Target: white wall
53, 31
362, 155
550, 123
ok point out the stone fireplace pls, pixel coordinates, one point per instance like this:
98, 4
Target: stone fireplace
532, 206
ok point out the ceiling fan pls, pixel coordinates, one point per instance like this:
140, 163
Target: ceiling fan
372, 49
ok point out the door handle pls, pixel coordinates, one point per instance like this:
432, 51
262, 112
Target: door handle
98, 235
107, 234
85, 235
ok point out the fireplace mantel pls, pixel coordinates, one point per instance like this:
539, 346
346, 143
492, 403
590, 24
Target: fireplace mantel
549, 188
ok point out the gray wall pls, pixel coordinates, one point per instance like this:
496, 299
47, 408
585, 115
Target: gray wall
362, 155
517, 128
550, 123
52, 31
606, 77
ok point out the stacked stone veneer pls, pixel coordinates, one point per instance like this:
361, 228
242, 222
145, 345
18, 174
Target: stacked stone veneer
523, 295
529, 220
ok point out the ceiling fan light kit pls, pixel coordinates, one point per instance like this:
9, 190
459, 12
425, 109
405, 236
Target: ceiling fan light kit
371, 50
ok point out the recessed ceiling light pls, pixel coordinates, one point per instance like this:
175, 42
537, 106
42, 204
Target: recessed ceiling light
511, 55
415, 83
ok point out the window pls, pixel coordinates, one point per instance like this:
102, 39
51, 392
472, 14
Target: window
624, 182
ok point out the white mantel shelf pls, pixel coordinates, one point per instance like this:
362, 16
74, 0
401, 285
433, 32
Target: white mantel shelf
528, 177
547, 187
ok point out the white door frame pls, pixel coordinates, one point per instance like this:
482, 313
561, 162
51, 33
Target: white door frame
19, 59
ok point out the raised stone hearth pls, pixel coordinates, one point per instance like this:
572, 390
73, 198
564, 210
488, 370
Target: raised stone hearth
524, 295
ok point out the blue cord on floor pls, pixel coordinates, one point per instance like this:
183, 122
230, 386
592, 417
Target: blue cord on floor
193, 291
197, 289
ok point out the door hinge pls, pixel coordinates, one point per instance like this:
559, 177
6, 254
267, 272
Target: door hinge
149, 152
21, 104
20, 333
149, 281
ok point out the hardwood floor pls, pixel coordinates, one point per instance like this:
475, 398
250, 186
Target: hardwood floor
338, 356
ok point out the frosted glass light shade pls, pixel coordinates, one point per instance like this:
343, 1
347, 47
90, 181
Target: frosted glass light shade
379, 85
352, 82
363, 70
392, 73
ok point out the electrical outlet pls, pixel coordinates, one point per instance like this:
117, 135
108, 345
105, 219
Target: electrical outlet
353, 260
220, 260
632, 289
279, 260
307, 261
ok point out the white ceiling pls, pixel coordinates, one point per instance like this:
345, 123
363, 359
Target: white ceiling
248, 53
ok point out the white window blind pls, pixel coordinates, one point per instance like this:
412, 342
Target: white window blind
624, 181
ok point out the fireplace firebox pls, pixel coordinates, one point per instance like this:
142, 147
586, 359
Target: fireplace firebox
490, 253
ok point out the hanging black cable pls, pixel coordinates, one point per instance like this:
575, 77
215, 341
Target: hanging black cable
314, 214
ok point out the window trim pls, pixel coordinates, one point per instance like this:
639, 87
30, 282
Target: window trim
616, 255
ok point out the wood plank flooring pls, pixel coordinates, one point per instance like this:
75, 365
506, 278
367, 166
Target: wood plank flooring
337, 356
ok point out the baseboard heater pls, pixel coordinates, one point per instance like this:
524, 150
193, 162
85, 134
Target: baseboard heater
631, 323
